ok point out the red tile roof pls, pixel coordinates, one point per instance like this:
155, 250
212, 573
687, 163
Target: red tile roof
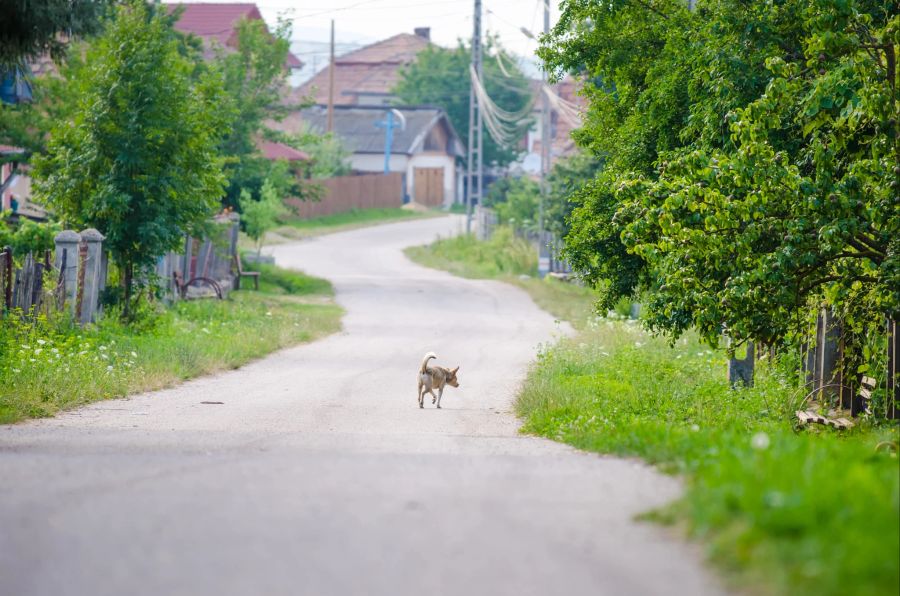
217, 21
373, 69
272, 150
11, 149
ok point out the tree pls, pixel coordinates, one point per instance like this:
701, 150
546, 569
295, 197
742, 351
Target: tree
254, 79
440, 77
328, 156
29, 29
750, 160
140, 159
260, 216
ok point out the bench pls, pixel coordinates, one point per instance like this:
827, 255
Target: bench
239, 269
866, 386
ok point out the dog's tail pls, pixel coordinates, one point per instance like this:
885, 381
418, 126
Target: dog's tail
425, 360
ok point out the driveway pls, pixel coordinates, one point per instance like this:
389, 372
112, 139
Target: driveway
320, 475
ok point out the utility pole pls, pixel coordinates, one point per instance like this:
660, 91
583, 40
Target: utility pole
476, 139
330, 117
546, 143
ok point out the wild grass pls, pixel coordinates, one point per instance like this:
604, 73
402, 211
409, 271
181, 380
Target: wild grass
52, 365
784, 511
811, 512
293, 229
510, 259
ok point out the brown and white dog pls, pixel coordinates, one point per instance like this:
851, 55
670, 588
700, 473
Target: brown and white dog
434, 377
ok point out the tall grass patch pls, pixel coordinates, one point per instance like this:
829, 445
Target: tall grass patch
50, 365
788, 512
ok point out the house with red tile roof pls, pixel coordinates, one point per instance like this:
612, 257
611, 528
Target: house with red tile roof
365, 77
216, 25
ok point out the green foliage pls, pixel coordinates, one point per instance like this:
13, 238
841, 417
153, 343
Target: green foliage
29, 29
566, 177
503, 255
253, 79
784, 512
27, 236
440, 76
328, 155
515, 201
751, 155
139, 161
50, 365
260, 216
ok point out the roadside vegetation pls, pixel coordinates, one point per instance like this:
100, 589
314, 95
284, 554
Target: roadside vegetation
511, 259
780, 510
50, 365
290, 229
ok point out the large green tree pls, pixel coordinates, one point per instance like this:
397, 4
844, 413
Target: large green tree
254, 77
139, 161
440, 77
29, 29
751, 155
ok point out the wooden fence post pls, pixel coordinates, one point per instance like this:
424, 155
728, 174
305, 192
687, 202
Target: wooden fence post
79, 284
6, 275
893, 387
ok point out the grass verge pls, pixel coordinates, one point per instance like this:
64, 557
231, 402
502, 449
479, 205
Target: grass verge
507, 258
781, 512
297, 229
51, 366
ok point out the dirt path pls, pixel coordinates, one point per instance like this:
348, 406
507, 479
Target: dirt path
319, 475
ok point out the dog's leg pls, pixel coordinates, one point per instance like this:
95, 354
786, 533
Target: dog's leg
433, 396
440, 393
421, 396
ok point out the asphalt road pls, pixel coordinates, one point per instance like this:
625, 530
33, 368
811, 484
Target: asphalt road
320, 475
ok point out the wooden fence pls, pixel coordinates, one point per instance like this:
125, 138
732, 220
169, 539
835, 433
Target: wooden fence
24, 288
345, 193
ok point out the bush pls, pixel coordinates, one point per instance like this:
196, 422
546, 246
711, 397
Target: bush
27, 235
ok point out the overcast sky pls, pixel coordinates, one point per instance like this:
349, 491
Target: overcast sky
359, 22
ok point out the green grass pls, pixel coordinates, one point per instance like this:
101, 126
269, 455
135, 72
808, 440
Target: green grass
52, 366
293, 229
508, 259
811, 512
780, 512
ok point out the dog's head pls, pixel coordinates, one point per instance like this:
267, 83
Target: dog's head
451, 377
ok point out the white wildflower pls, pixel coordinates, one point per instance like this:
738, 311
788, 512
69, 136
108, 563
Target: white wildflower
760, 441
41, 342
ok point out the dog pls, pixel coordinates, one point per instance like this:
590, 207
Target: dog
434, 377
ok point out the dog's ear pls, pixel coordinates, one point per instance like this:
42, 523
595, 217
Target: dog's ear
454, 370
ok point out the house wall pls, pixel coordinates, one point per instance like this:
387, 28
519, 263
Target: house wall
434, 160
374, 162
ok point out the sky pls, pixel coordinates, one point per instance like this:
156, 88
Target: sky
360, 22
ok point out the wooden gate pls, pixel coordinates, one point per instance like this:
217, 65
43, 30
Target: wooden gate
429, 186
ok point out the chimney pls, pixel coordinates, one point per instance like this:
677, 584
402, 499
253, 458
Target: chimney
423, 32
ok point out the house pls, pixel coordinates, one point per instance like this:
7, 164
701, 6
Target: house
15, 185
216, 25
273, 151
426, 150
366, 76
562, 122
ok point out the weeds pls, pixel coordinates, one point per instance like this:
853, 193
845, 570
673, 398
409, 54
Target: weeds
51, 365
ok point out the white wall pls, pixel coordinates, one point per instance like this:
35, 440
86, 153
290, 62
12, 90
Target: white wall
374, 162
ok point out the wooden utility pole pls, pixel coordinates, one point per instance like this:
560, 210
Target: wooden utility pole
475, 156
330, 124
546, 144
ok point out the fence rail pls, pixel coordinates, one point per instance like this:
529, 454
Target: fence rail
345, 193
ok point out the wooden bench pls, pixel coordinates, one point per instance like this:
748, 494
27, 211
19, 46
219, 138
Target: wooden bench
239, 269
866, 386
